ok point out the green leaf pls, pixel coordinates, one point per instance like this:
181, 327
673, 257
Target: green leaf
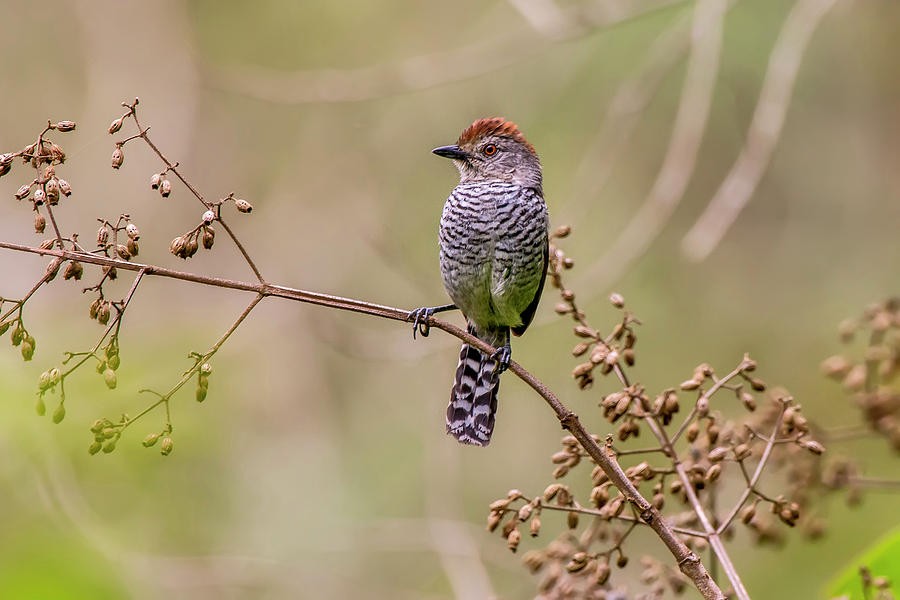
882, 559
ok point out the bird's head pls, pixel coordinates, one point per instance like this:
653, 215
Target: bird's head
494, 149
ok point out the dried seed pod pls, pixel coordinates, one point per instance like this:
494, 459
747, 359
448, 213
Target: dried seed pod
584, 332
102, 236
689, 385
562, 231
155, 179
52, 270
617, 300
118, 157
742, 451
717, 454
813, 446
200, 394
208, 217
513, 539
243, 206
582, 369
40, 223
65, 126
758, 385
116, 125
47, 244
177, 246
191, 247
122, 252
74, 270
94, 309
111, 273
535, 526
23, 192
601, 574
51, 189
132, 231
103, 313
65, 187
166, 447
525, 512
150, 440
132, 247
165, 188
39, 197
208, 237
6, 159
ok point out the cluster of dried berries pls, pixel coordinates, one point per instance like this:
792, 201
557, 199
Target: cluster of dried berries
46, 188
605, 353
685, 472
869, 379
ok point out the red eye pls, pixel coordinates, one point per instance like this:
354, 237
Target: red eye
489, 150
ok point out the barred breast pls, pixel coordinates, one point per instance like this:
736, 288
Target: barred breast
493, 240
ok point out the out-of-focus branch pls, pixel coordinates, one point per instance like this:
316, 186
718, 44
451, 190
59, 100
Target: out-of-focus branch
764, 132
418, 72
624, 113
544, 16
680, 160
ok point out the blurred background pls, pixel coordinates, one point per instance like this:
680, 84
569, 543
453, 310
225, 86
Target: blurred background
730, 168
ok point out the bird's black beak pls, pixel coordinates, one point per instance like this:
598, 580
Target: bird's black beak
453, 152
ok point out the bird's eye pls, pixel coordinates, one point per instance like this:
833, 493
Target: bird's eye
489, 150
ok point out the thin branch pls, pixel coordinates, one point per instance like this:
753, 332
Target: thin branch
627, 518
48, 275
115, 324
751, 484
764, 132
687, 560
173, 167
188, 375
417, 72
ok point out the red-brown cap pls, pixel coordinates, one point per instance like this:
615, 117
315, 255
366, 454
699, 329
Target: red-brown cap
493, 126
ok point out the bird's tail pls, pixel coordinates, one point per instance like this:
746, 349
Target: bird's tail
473, 400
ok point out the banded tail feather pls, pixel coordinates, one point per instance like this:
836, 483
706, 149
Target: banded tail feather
473, 399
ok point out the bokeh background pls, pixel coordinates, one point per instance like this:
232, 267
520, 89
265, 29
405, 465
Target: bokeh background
318, 466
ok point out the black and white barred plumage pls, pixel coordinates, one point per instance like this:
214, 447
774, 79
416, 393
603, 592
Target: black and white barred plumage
493, 241
493, 255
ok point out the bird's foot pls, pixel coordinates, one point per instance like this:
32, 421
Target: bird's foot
419, 318
501, 358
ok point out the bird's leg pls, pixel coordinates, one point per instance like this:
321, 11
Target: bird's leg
420, 316
502, 356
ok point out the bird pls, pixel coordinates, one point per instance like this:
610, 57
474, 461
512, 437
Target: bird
493, 241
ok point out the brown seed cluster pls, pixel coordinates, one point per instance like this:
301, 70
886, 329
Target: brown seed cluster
870, 379
698, 454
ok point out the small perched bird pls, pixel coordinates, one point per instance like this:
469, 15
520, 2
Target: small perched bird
493, 254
